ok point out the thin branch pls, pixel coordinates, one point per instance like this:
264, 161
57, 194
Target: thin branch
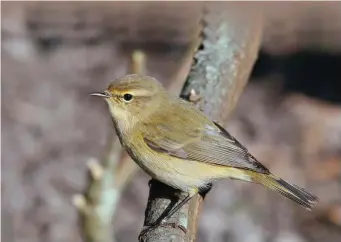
107, 180
221, 67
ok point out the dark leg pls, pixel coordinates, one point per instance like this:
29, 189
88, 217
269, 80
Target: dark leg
164, 217
174, 210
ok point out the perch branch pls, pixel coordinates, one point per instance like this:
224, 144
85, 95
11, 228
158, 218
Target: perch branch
107, 180
230, 42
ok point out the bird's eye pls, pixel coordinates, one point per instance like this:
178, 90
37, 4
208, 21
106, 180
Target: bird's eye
127, 97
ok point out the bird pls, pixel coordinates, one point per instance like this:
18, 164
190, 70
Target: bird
178, 145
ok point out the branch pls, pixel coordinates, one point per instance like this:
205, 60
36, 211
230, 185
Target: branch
107, 180
177, 80
230, 43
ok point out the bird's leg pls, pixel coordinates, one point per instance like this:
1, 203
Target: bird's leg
166, 216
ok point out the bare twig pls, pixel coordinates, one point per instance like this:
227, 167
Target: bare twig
107, 181
231, 39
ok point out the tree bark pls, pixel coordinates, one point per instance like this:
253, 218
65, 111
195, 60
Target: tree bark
229, 46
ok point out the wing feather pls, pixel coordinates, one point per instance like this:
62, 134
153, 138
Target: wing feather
206, 141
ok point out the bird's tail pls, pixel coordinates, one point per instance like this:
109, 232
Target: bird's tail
293, 192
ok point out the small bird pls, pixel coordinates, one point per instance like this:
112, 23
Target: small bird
177, 144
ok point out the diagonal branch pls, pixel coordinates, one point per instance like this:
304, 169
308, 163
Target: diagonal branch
220, 70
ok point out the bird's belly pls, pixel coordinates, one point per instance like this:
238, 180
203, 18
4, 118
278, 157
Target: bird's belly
178, 173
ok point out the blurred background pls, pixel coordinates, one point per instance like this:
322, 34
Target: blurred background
289, 116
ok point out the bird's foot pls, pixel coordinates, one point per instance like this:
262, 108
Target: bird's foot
163, 223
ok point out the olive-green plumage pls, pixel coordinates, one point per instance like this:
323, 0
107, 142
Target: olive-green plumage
175, 143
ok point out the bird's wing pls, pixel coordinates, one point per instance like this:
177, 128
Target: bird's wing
204, 142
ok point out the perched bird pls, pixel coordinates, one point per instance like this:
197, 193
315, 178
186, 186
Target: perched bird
175, 143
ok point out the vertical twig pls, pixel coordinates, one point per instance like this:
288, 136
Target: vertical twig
107, 180
221, 67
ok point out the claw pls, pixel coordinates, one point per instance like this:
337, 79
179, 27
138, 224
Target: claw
155, 226
144, 232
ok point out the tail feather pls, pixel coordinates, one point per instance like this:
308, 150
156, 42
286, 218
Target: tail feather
293, 192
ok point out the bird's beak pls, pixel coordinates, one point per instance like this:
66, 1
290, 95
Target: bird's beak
104, 94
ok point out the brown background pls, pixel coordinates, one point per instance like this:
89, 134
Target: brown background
54, 54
